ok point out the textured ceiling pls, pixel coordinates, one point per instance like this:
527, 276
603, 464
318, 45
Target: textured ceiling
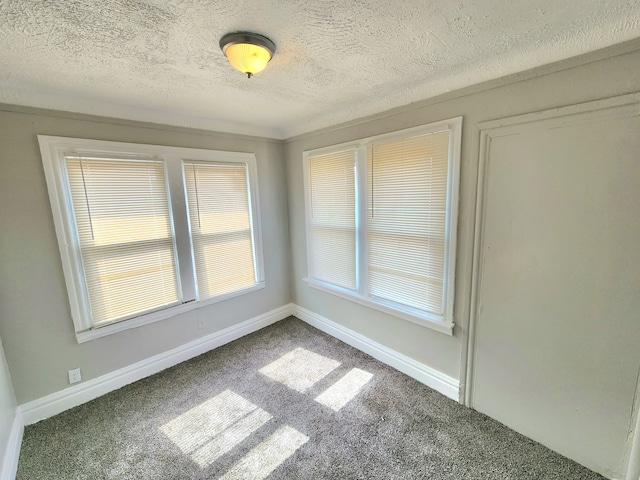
159, 60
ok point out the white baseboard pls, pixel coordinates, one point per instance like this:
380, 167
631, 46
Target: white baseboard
70, 397
12, 451
633, 445
440, 382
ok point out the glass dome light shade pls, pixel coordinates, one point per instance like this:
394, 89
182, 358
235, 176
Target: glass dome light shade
247, 52
248, 58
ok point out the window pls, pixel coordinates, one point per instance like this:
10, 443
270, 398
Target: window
381, 221
126, 248
332, 218
146, 232
220, 219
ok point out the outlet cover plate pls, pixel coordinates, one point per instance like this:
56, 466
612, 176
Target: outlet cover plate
75, 376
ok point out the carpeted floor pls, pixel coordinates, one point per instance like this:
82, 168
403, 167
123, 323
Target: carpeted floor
287, 402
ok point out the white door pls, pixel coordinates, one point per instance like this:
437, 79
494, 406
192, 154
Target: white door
557, 326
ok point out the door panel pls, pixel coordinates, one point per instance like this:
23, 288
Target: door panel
557, 345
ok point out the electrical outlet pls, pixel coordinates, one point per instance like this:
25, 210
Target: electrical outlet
200, 323
75, 376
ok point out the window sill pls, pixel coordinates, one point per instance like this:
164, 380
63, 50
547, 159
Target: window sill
156, 316
433, 324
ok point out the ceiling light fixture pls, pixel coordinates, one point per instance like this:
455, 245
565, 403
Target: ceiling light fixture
247, 52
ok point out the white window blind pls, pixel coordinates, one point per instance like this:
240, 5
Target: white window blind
220, 219
125, 237
332, 218
407, 207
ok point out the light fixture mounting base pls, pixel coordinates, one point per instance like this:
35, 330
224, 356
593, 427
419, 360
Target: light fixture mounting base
247, 37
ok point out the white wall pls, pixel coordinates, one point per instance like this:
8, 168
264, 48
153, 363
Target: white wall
35, 321
599, 79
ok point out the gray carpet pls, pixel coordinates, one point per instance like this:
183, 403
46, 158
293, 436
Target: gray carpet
287, 402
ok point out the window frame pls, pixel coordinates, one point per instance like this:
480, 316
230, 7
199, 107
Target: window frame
442, 323
54, 149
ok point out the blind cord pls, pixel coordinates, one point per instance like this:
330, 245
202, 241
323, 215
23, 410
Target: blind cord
195, 183
372, 184
86, 198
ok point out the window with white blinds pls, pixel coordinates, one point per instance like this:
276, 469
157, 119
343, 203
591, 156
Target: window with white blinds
124, 228
146, 232
220, 218
332, 218
381, 221
406, 213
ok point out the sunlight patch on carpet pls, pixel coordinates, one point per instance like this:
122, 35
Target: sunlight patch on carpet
215, 427
344, 390
268, 455
300, 369
229, 438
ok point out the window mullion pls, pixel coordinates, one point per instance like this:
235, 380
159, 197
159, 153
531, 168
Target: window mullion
361, 221
183, 248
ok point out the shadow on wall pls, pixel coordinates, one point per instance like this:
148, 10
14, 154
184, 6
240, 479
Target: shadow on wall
213, 429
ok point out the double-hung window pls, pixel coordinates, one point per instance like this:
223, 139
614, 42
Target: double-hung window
381, 221
146, 232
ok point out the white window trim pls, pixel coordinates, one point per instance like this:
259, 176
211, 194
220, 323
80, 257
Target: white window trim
53, 151
158, 315
444, 323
